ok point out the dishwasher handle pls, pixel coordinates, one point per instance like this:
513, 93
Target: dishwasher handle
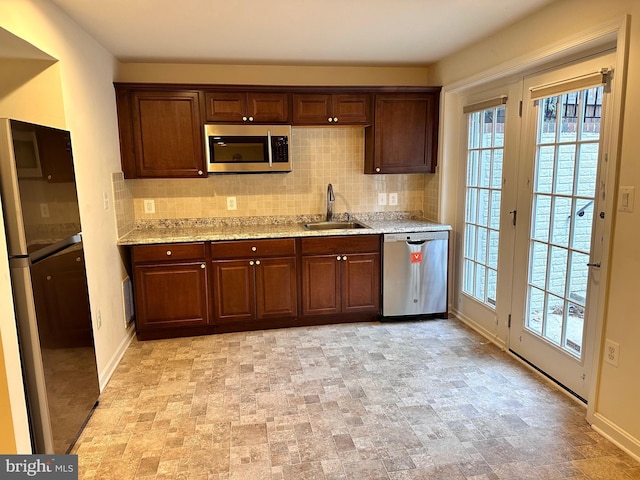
418, 242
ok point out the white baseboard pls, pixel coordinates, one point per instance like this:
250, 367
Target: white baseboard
480, 329
617, 436
105, 375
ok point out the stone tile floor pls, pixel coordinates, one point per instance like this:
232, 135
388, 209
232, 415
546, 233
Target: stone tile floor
400, 401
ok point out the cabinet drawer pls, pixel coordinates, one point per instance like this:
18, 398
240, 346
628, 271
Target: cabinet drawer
168, 252
343, 244
253, 248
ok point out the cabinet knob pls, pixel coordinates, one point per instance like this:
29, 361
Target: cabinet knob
253, 249
168, 253
202, 265
378, 170
78, 259
49, 177
200, 172
339, 258
335, 119
251, 262
48, 277
344, 257
244, 119
251, 119
330, 119
257, 262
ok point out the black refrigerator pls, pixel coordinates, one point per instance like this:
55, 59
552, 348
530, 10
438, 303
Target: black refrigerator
46, 261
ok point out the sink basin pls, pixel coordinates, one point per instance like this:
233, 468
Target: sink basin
334, 225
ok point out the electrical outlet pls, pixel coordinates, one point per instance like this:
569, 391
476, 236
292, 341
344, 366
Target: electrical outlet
611, 352
382, 198
393, 198
105, 200
44, 210
98, 320
231, 203
149, 206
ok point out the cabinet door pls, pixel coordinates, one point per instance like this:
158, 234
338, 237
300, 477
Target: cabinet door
361, 283
167, 135
268, 107
320, 285
225, 106
233, 291
351, 109
312, 109
276, 292
171, 295
404, 136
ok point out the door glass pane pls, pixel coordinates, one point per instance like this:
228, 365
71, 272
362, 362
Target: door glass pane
536, 310
483, 203
564, 170
483, 207
562, 216
541, 216
557, 274
553, 321
561, 221
538, 270
544, 179
485, 168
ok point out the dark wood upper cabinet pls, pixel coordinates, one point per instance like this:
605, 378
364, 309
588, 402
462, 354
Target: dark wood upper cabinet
404, 134
243, 107
331, 109
161, 133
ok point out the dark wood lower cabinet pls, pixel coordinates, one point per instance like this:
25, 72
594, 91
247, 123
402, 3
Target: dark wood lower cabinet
250, 291
187, 289
341, 276
170, 288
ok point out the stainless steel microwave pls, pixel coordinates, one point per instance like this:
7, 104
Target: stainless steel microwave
248, 148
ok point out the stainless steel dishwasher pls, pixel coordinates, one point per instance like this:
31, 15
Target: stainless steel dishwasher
415, 274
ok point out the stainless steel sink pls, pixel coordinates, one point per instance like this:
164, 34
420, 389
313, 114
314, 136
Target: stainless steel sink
334, 225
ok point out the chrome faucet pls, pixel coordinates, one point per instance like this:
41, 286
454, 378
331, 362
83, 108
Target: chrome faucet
330, 199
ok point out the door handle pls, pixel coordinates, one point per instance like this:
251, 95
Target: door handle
515, 216
597, 264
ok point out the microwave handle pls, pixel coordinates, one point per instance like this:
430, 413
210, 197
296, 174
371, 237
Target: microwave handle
269, 147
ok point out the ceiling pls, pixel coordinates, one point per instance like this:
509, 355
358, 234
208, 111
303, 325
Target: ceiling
292, 32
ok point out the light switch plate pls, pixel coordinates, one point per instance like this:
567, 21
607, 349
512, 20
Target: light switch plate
393, 198
231, 203
626, 197
382, 199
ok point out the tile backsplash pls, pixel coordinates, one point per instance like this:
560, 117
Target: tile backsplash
320, 156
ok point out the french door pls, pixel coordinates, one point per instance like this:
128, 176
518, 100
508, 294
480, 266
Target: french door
559, 232
492, 126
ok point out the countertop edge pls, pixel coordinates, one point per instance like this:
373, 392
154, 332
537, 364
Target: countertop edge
260, 232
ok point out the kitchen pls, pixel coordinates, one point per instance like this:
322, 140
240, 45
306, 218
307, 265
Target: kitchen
618, 387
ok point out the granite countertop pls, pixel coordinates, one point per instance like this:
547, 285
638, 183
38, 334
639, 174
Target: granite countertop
198, 230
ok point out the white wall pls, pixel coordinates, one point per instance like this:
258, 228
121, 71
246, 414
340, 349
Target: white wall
618, 394
81, 99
